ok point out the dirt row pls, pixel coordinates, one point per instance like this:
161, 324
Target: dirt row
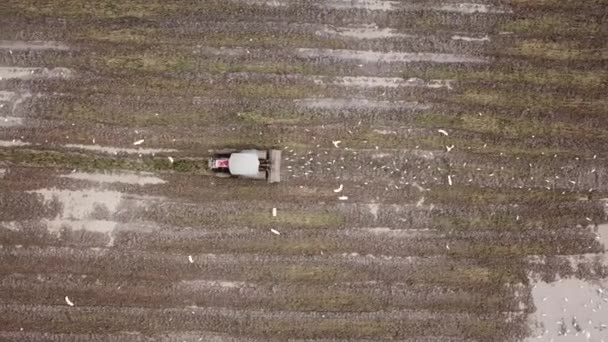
438, 159
340, 297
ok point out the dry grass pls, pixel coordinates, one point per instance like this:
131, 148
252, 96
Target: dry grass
94, 9
507, 127
535, 76
130, 36
557, 51
533, 101
552, 25
308, 219
482, 196
340, 302
323, 329
92, 162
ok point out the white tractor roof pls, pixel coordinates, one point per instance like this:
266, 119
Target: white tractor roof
244, 164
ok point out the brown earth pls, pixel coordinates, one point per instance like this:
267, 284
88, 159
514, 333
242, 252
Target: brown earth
469, 141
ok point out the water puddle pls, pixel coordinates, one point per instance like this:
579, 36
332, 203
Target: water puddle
269, 3
7, 96
32, 45
370, 5
206, 284
9, 102
373, 209
81, 204
93, 210
33, 73
397, 232
118, 150
142, 178
90, 210
384, 5
337, 104
95, 226
570, 310
485, 38
470, 8
10, 121
388, 57
13, 143
382, 82
383, 132
364, 32
602, 235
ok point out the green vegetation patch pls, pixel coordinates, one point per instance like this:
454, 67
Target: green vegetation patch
378, 330
473, 276
131, 35
306, 219
262, 67
306, 274
489, 251
559, 4
521, 100
502, 222
547, 219
482, 196
94, 162
152, 63
94, 9
339, 302
553, 25
224, 39
340, 329
280, 246
90, 113
507, 127
544, 77
557, 51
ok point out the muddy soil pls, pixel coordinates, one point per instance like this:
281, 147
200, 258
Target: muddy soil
444, 171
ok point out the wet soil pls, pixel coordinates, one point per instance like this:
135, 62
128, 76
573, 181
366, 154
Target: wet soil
444, 171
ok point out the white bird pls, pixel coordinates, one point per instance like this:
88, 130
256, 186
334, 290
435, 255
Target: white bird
190, 259
67, 300
343, 198
274, 212
139, 142
274, 231
336, 143
450, 180
170, 159
449, 148
339, 188
442, 131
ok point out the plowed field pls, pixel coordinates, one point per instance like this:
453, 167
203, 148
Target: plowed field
444, 173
